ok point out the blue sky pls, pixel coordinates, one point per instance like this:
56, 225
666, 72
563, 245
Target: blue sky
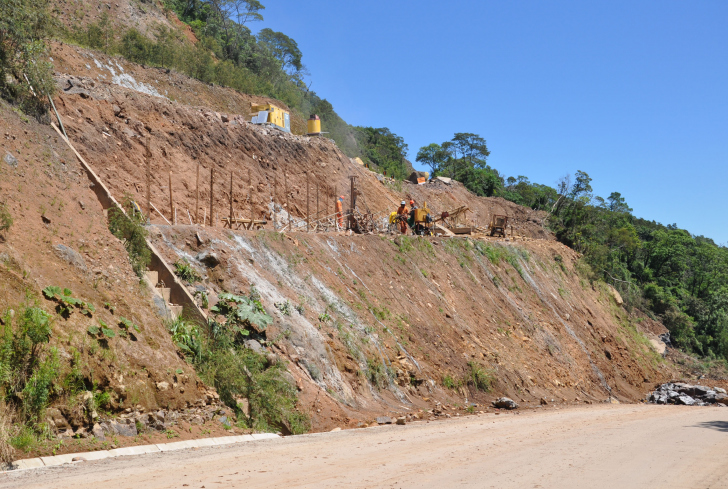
633, 93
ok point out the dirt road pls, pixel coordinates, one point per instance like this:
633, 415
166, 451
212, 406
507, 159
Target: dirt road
614, 446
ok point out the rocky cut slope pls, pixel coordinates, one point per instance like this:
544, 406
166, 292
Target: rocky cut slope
375, 324
111, 107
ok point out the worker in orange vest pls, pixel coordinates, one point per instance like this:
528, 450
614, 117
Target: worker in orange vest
403, 211
340, 211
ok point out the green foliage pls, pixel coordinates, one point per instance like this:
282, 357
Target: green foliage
284, 307
218, 354
66, 301
383, 149
242, 313
479, 377
28, 368
6, 220
184, 270
376, 373
26, 75
450, 382
130, 228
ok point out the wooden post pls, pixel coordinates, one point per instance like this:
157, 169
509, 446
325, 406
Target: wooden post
288, 207
353, 202
308, 213
231, 200
197, 194
250, 198
212, 179
275, 191
317, 200
171, 201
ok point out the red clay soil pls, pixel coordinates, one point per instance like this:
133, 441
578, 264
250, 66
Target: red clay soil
52, 206
394, 326
110, 124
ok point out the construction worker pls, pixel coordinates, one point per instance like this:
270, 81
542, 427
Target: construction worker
340, 211
403, 211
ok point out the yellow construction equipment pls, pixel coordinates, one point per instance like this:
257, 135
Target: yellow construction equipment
314, 125
267, 114
498, 224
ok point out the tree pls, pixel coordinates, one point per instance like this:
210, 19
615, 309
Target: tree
432, 155
472, 148
26, 75
283, 48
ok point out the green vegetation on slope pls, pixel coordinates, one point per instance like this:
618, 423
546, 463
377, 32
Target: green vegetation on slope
26, 76
222, 360
228, 54
666, 271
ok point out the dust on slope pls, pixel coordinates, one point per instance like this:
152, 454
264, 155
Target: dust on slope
378, 324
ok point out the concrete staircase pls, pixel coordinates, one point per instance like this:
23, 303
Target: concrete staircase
173, 311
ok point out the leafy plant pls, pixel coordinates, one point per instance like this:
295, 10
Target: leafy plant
324, 317
130, 228
184, 270
6, 220
479, 377
127, 324
66, 301
284, 307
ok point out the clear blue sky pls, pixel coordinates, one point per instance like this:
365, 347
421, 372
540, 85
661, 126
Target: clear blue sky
634, 93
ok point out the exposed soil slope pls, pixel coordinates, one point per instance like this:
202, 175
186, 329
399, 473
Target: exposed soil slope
60, 237
109, 117
382, 323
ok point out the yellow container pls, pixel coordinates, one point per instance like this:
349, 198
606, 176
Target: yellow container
314, 125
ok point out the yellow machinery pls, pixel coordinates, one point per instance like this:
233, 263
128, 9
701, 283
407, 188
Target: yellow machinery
421, 221
314, 125
498, 224
270, 114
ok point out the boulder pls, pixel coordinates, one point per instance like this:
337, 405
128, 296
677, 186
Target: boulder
254, 345
11, 160
98, 432
71, 256
720, 390
384, 420
505, 403
125, 427
401, 420
418, 177
684, 400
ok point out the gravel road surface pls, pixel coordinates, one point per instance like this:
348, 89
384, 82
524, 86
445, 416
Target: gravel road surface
609, 446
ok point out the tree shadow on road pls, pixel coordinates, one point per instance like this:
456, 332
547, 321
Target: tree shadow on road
714, 425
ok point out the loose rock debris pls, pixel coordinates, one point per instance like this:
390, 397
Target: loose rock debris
688, 395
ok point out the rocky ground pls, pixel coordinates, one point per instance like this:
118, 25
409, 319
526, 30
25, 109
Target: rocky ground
688, 395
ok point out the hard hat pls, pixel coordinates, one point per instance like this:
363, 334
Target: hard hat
341, 197
412, 202
403, 203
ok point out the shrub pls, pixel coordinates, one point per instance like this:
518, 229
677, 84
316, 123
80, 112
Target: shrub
184, 270
479, 377
130, 228
26, 75
6, 220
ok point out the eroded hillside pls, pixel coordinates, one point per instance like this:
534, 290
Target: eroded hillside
381, 324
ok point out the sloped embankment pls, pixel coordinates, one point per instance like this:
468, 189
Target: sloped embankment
111, 107
102, 349
372, 324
